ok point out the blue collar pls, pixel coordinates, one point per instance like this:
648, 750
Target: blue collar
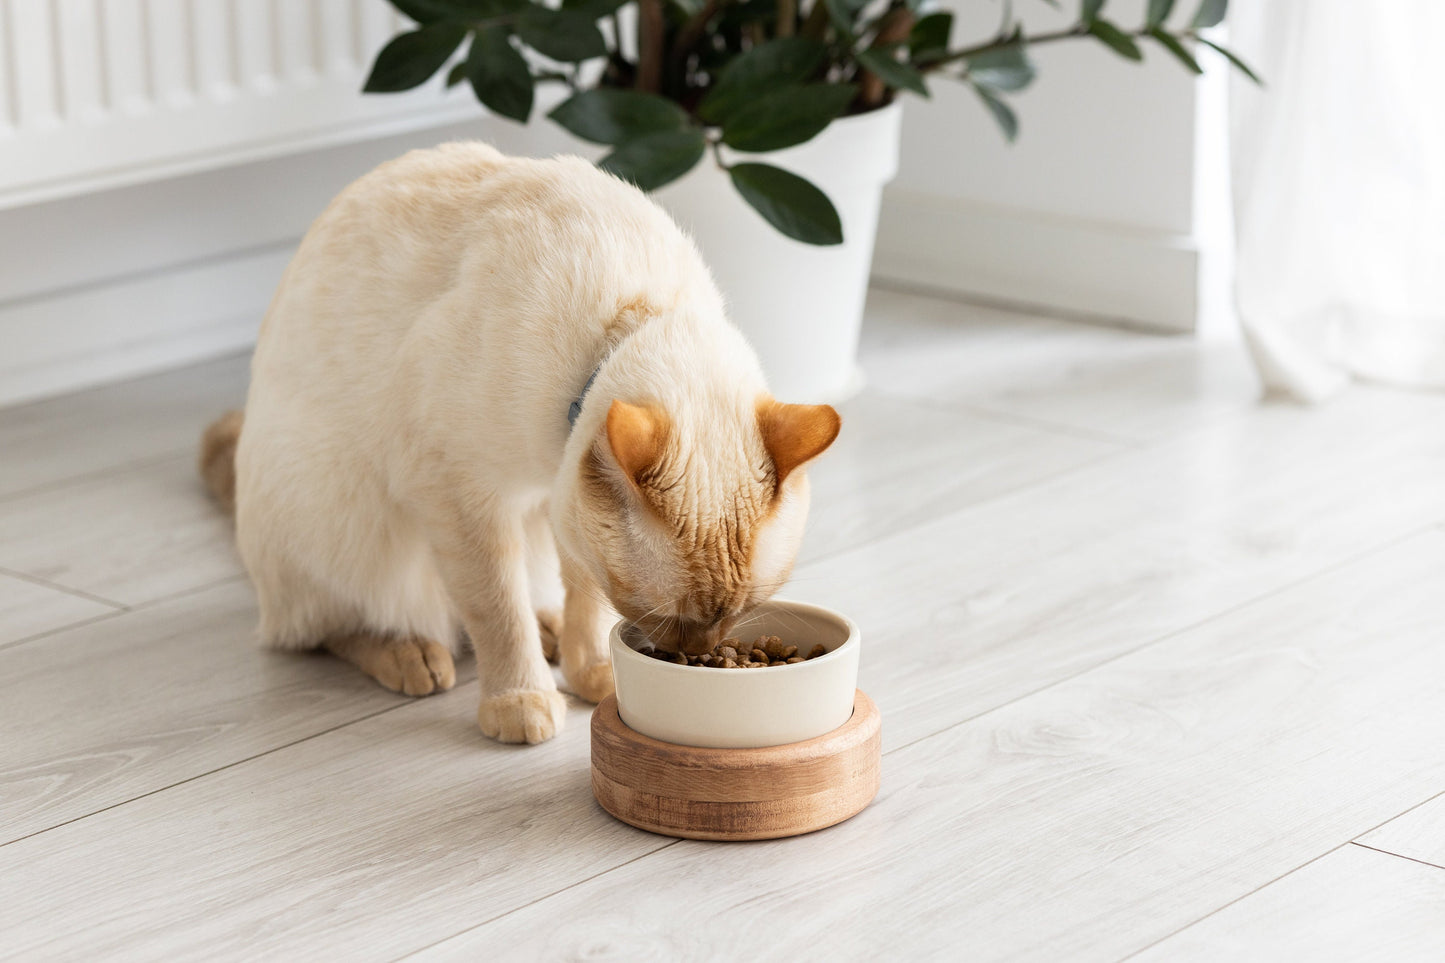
574, 410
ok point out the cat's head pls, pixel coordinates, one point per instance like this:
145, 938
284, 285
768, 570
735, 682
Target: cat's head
687, 522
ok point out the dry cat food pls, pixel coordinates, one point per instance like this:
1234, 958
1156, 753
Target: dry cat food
767, 651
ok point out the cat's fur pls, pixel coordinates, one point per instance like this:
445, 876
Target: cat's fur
406, 459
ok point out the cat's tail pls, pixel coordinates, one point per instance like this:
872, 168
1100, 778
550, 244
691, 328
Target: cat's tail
218, 459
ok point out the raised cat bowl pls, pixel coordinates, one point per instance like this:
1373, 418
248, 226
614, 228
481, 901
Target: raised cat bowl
709, 753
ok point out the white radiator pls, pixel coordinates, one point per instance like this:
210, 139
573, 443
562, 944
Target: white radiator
101, 93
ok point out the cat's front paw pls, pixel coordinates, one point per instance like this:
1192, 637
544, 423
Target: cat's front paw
522, 715
592, 682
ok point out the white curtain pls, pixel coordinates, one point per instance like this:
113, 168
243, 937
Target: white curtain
1339, 187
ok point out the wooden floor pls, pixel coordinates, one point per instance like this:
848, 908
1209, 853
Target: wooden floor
1162, 672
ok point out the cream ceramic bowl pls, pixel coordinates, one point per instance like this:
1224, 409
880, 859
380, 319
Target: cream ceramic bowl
745, 708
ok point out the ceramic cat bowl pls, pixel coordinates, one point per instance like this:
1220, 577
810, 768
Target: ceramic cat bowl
744, 708
709, 753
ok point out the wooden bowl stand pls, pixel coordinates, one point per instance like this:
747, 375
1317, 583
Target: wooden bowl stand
735, 794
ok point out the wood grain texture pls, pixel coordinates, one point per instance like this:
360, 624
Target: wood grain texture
1417, 834
96, 431
131, 536
1000, 599
104, 713
1108, 382
1143, 645
899, 464
1084, 822
735, 794
362, 843
27, 609
1351, 905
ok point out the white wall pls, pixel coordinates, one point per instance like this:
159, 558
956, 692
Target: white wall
146, 212
1090, 212
159, 160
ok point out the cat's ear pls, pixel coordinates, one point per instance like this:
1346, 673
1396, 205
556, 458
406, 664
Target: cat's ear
635, 434
794, 434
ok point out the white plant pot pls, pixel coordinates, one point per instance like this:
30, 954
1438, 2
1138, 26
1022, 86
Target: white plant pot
800, 305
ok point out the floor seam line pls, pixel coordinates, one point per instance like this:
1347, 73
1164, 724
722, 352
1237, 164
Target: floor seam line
1183, 630
129, 610
1039, 482
1243, 896
78, 593
203, 775
1386, 852
1002, 416
539, 899
70, 481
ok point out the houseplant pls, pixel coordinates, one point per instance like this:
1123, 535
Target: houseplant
662, 84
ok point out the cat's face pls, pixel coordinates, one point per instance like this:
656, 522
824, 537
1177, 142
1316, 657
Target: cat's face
687, 525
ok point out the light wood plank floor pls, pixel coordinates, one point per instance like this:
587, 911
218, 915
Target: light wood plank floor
1160, 666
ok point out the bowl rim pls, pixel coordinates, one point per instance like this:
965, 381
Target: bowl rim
852, 641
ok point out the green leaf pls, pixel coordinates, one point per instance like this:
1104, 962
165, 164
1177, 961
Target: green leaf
1210, 14
421, 11
607, 115
789, 203
499, 74
898, 76
1089, 10
776, 63
562, 35
457, 74
596, 9
929, 37
843, 14
1239, 64
456, 11
653, 160
1007, 120
787, 116
412, 57
1006, 68
1177, 49
1158, 12
1121, 43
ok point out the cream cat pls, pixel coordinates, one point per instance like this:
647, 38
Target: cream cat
407, 458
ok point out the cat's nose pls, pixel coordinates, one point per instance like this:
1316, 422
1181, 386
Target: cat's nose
699, 637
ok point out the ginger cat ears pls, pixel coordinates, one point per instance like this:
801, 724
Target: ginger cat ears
635, 434
792, 435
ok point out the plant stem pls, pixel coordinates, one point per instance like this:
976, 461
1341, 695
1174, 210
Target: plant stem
1078, 30
716, 144
651, 35
687, 38
893, 27
787, 17
815, 25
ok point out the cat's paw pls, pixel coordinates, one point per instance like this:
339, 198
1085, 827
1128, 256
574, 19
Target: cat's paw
549, 624
522, 715
414, 667
592, 682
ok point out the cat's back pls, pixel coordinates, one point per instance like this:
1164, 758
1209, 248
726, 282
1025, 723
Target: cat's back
463, 213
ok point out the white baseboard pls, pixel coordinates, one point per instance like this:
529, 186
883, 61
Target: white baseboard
122, 283
111, 331
1142, 279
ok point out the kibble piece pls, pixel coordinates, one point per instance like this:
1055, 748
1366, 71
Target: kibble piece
817, 650
727, 651
772, 645
759, 655
793, 659
729, 664
680, 659
790, 651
